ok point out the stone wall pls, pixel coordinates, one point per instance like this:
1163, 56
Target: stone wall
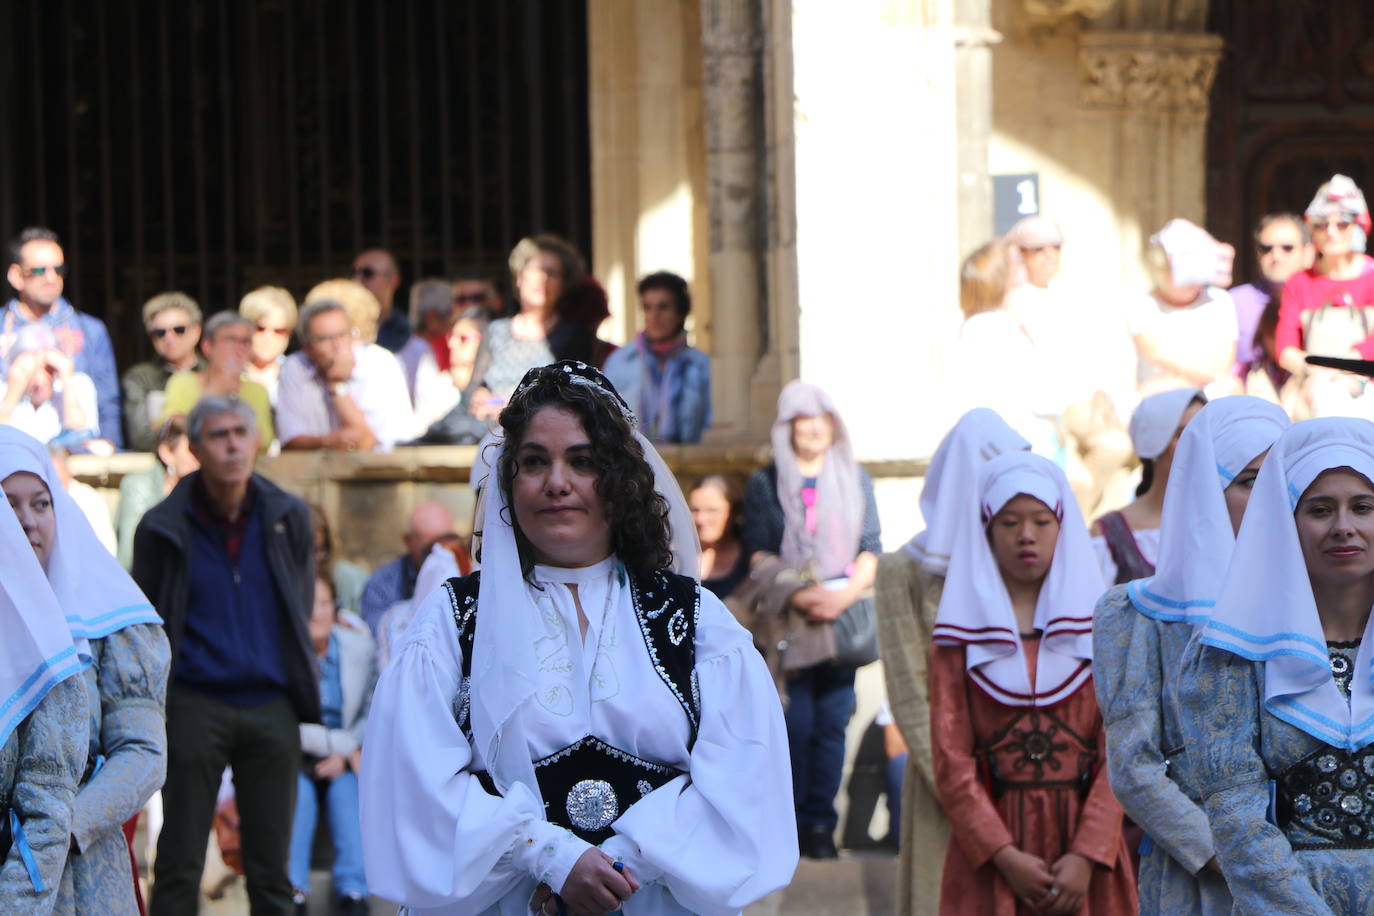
368, 497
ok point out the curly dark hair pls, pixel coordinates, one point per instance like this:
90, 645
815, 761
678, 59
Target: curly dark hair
637, 513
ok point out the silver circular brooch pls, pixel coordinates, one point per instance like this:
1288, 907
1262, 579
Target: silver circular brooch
592, 804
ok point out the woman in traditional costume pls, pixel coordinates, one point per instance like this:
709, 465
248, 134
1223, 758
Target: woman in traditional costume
43, 728
126, 684
906, 598
1127, 540
576, 725
1140, 631
1277, 690
1017, 737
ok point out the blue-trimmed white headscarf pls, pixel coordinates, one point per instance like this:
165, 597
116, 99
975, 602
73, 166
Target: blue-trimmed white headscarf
1196, 540
37, 651
950, 488
1266, 612
96, 595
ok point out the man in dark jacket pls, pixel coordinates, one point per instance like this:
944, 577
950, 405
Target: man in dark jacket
228, 561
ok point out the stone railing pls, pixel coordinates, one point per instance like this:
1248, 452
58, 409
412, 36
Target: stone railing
368, 496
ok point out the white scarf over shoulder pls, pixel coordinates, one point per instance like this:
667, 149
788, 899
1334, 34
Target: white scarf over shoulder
950, 490
1266, 610
975, 608
1195, 533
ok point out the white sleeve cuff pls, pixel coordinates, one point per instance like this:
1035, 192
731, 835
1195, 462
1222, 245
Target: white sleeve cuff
548, 852
623, 849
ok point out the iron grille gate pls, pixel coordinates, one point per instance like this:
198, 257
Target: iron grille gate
215, 145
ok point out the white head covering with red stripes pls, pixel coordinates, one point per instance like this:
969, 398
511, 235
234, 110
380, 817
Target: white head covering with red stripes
975, 608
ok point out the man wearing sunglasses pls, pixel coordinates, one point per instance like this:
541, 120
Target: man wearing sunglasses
36, 272
172, 321
376, 269
1282, 248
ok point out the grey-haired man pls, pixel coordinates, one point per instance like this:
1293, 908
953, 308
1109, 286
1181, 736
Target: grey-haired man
228, 562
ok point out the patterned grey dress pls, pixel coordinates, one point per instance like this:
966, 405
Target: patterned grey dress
40, 766
1236, 748
1135, 664
126, 699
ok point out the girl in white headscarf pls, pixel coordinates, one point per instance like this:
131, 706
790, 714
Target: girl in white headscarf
1127, 540
1277, 690
126, 683
1015, 727
575, 725
814, 508
906, 597
43, 726
1139, 634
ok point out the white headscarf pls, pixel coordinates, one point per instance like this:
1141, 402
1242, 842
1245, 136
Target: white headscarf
95, 593
505, 646
975, 608
948, 491
1156, 419
37, 651
1266, 611
1195, 534
1195, 258
839, 496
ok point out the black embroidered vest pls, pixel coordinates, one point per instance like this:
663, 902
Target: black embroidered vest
590, 783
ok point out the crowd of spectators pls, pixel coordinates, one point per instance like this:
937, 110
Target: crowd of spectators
1039, 348
348, 367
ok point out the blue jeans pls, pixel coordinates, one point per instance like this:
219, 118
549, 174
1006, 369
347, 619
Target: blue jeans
345, 827
820, 700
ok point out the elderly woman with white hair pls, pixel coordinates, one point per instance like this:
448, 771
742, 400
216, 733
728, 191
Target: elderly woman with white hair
44, 395
1185, 328
1326, 309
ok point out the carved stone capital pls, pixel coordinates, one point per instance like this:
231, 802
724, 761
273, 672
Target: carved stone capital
1148, 71
1049, 13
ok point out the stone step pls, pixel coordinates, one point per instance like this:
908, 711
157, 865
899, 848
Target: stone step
855, 884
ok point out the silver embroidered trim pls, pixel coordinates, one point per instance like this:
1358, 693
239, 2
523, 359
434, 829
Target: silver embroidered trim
677, 626
667, 679
613, 397
592, 805
607, 749
644, 787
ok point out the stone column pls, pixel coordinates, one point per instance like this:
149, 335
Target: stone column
1157, 85
733, 90
647, 159
973, 41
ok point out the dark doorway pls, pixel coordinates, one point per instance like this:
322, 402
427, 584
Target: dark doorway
216, 145
1293, 103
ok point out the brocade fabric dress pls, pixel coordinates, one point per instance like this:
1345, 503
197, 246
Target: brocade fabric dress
40, 767
1236, 749
126, 695
1029, 776
1136, 662
906, 599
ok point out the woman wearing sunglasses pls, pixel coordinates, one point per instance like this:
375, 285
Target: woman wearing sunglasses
1328, 309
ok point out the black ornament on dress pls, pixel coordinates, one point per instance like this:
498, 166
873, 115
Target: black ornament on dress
1036, 750
1326, 800
589, 781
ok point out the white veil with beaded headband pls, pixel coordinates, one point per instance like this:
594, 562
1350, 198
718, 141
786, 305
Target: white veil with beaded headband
505, 645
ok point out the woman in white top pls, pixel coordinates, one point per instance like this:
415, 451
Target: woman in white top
995, 364
575, 725
1185, 328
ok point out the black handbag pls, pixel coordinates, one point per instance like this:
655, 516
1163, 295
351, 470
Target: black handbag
856, 635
